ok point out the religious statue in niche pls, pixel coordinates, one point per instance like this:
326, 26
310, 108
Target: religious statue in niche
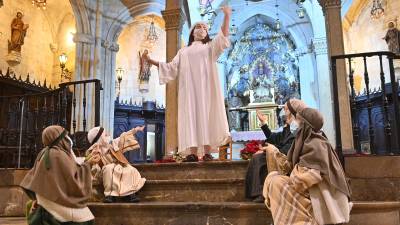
262, 84
392, 38
144, 73
18, 33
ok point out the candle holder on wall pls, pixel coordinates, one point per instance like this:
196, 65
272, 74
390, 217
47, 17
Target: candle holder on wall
65, 73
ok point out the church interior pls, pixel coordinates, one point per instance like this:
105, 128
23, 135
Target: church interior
78, 64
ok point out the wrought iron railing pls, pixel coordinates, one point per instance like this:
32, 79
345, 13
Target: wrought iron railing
27, 115
375, 113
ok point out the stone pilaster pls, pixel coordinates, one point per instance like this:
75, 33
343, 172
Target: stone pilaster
325, 95
334, 30
84, 52
173, 26
107, 77
84, 71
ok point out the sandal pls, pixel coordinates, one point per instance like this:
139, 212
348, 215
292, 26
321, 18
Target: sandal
208, 157
191, 158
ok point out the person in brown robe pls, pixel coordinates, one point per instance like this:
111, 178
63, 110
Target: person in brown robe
121, 181
57, 184
18, 33
308, 186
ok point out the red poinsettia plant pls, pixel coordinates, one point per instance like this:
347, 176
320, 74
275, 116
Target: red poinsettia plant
250, 148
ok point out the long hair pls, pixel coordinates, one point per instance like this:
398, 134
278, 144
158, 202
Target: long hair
204, 41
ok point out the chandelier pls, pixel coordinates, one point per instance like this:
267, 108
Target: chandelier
152, 36
277, 21
300, 11
377, 10
40, 4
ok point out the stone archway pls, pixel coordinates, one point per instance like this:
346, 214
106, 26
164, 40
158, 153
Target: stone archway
96, 46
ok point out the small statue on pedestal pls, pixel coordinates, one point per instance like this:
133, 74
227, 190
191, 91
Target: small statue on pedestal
392, 38
18, 33
144, 73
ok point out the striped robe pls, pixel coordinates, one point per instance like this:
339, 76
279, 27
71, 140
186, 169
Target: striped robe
304, 197
288, 198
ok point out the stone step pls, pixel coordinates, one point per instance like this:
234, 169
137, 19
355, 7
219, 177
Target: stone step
13, 221
211, 213
193, 170
375, 213
181, 213
374, 178
208, 213
192, 190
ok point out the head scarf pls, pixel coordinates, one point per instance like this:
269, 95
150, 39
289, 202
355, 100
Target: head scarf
54, 137
295, 105
95, 134
312, 149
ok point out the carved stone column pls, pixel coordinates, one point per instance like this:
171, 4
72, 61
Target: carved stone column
173, 25
325, 96
107, 77
84, 71
331, 9
84, 51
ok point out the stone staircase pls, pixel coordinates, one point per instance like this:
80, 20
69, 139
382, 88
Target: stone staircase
212, 193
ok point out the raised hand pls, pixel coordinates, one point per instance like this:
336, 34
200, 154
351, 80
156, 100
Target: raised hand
140, 128
263, 118
226, 10
94, 158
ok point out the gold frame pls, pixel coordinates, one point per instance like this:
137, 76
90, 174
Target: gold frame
254, 123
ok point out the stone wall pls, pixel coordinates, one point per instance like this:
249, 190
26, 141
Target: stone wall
48, 34
12, 197
363, 34
131, 41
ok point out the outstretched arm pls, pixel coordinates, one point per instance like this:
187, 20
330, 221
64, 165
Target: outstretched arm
151, 61
227, 15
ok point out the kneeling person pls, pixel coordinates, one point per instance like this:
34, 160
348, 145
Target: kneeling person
120, 180
309, 185
57, 184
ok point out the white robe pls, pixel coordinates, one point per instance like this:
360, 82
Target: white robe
202, 118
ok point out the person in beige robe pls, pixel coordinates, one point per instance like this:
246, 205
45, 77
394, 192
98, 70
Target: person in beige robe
119, 178
309, 185
57, 184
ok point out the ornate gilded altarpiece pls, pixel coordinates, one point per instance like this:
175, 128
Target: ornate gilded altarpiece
261, 69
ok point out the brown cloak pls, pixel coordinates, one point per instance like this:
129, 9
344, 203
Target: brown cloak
65, 182
312, 149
